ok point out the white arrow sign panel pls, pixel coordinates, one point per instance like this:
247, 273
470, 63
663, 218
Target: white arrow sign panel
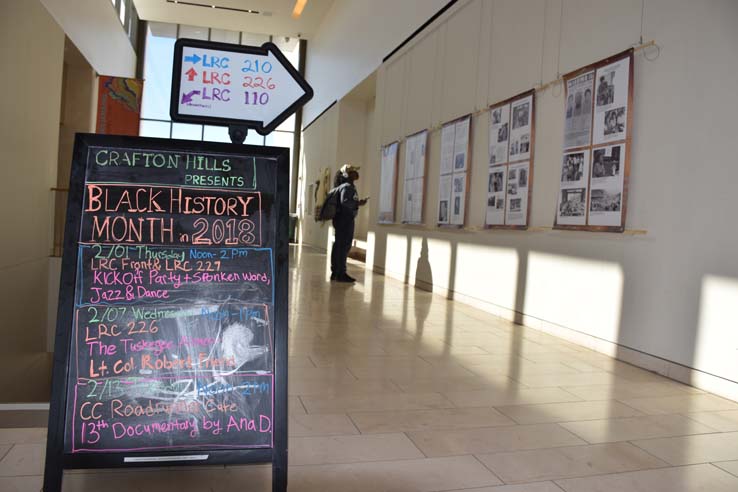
235, 86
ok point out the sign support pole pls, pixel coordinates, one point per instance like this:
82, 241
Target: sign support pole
237, 133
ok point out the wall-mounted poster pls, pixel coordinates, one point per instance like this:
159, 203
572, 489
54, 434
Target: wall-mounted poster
496, 195
571, 208
611, 102
510, 162
454, 177
596, 160
119, 105
578, 118
388, 183
415, 159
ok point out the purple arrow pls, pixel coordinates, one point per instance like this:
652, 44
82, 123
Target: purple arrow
187, 98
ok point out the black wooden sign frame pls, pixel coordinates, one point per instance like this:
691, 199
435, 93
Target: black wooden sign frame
263, 50
56, 458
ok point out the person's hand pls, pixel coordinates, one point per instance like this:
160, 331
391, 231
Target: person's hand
363, 201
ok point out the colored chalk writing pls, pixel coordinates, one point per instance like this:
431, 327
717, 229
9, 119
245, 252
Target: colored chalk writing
172, 340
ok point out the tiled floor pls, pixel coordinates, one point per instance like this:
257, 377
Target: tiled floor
398, 390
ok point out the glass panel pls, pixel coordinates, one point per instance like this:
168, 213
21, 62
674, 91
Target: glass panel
249, 39
290, 47
217, 134
186, 131
133, 26
158, 61
223, 36
193, 32
280, 139
253, 138
287, 125
158, 129
123, 12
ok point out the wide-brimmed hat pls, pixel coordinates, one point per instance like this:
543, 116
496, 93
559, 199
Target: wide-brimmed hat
348, 168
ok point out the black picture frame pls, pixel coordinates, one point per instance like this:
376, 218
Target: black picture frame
56, 458
262, 50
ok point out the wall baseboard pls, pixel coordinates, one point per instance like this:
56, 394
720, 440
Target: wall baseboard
672, 370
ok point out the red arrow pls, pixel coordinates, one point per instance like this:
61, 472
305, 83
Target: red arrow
191, 74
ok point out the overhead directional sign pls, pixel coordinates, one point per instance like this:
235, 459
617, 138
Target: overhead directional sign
230, 84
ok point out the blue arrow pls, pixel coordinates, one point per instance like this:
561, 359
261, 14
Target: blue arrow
194, 59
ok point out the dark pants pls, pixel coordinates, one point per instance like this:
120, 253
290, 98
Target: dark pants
342, 244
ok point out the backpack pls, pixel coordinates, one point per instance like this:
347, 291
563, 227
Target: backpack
328, 210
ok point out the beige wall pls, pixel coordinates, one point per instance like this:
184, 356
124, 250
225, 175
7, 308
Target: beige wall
342, 135
352, 130
94, 27
29, 135
669, 294
79, 107
353, 38
319, 151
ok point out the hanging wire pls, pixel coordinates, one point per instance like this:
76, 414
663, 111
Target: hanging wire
543, 42
561, 28
654, 57
640, 39
559, 82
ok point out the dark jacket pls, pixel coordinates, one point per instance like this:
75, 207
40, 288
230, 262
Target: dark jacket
348, 202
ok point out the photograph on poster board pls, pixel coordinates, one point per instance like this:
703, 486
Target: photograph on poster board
448, 134
578, 116
458, 201
499, 133
572, 206
517, 194
415, 155
415, 148
387, 183
444, 193
453, 175
572, 201
605, 207
496, 195
409, 161
461, 145
607, 163
407, 210
574, 168
611, 101
417, 201
520, 121
413, 201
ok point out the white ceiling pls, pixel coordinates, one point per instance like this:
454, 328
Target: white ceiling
275, 16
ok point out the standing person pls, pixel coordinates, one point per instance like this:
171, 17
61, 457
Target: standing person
343, 222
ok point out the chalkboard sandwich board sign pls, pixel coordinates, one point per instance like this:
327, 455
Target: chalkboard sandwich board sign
171, 342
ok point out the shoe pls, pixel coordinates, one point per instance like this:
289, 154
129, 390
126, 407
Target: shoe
333, 277
345, 278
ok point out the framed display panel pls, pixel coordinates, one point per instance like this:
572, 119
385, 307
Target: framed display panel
511, 149
388, 183
453, 184
171, 338
413, 191
595, 163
